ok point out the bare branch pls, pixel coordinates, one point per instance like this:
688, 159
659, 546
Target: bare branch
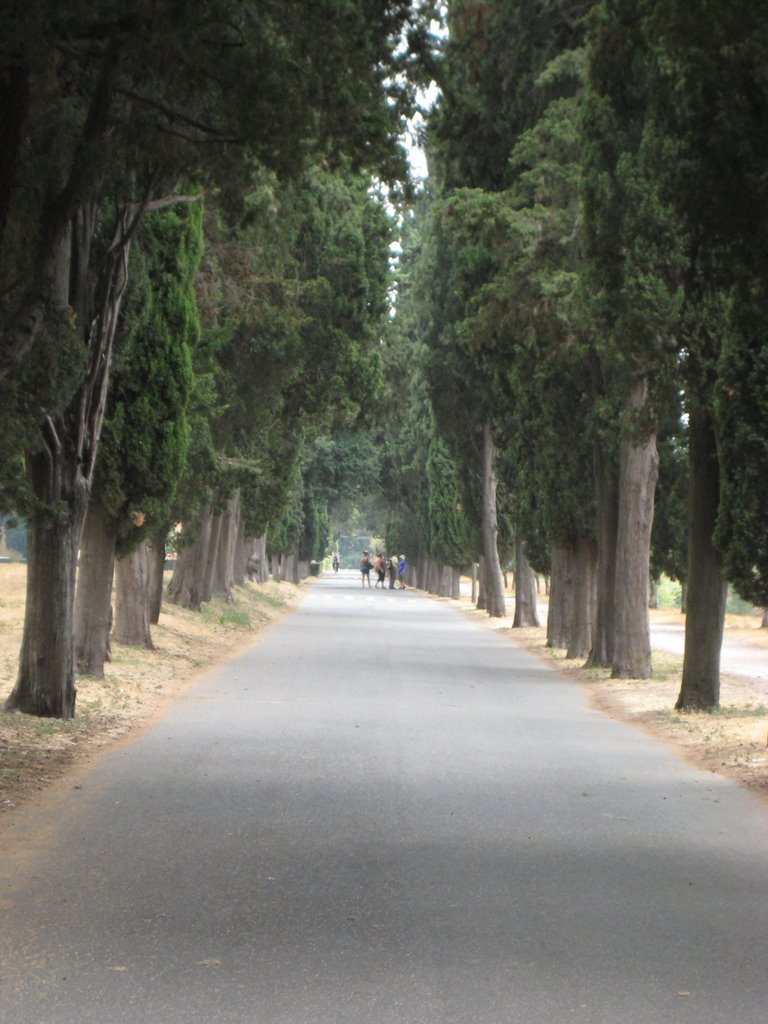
172, 200
170, 112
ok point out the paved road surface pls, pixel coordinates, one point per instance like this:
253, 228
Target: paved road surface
384, 813
737, 657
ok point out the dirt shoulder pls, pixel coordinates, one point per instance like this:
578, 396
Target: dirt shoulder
731, 741
36, 753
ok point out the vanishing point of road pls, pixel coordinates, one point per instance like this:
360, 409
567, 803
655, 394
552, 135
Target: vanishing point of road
384, 813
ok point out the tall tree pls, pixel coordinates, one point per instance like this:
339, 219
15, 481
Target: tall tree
691, 75
109, 110
144, 442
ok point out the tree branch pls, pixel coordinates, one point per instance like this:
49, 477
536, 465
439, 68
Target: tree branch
169, 112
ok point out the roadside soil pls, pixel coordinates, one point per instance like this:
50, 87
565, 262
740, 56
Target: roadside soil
731, 741
35, 753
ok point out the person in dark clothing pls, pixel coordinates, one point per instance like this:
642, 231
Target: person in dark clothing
365, 569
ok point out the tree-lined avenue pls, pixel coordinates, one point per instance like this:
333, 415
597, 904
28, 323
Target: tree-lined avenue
383, 812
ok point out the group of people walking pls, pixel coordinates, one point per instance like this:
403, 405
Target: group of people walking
392, 568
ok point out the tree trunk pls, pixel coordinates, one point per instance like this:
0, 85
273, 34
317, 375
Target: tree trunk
683, 598
584, 609
700, 689
526, 612
212, 554
601, 655
474, 581
423, 572
494, 583
653, 594
93, 597
296, 575
455, 582
224, 566
764, 623
156, 568
482, 600
132, 599
446, 577
61, 467
561, 599
263, 559
186, 586
242, 551
637, 487
434, 577
45, 683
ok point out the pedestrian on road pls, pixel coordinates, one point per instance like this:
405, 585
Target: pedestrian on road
380, 563
401, 567
365, 569
335, 563
392, 570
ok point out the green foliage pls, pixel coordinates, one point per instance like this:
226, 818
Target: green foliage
741, 403
296, 294
145, 436
668, 592
696, 160
449, 539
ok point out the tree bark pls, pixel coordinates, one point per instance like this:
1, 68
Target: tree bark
434, 577
156, 566
494, 583
700, 689
637, 487
263, 560
93, 597
423, 572
764, 623
212, 554
242, 551
296, 570
482, 601
653, 594
561, 598
224, 567
446, 579
601, 655
186, 586
474, 581
132, 599
45, 682
526, 612
584, 608
455, 582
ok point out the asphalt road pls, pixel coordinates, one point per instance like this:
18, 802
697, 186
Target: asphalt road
737, 657
384, 813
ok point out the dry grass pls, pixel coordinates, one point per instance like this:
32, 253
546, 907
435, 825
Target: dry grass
36, 752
